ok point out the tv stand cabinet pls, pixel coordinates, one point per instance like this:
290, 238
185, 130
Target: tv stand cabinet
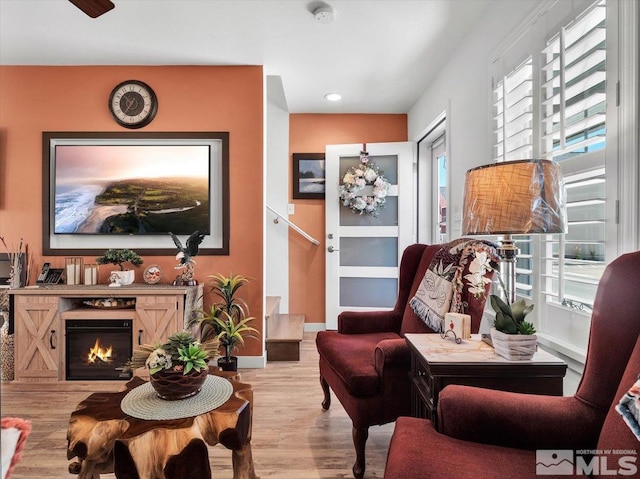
39, 313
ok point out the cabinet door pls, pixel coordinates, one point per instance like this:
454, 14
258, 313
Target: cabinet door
37, 338
157, 318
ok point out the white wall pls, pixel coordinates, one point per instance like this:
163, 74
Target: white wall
462, 89
277, 174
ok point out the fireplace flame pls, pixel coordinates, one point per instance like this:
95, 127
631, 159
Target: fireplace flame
99, 353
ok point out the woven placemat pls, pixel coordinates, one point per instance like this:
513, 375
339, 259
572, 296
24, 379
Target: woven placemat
143, 403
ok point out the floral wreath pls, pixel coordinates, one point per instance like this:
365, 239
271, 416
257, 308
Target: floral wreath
354, 182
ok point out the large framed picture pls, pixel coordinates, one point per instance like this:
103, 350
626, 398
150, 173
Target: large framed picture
131, 189
308, 176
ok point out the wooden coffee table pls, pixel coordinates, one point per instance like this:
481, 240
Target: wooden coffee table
105, 439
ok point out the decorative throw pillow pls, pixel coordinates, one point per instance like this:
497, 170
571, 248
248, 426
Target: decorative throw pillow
14, 436
433, 297
629, 408
441, 288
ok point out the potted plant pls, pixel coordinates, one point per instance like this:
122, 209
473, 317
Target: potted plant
177, 368
119, 257
231, 335
511, 335
227, 319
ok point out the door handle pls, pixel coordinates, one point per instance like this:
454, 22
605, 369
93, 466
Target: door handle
331, 249
52, 335
140, 331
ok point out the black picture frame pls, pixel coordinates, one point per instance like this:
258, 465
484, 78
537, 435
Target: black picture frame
309, 176
216, 243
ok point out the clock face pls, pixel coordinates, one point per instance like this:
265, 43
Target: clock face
133, 104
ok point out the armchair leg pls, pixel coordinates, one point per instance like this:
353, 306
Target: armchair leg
359, 441
326, 403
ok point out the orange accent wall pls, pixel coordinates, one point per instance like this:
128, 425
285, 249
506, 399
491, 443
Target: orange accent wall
34, 99
309, 133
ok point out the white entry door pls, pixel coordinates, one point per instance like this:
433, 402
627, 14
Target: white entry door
363, 251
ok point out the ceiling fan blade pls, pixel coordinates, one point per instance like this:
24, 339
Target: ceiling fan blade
93, 8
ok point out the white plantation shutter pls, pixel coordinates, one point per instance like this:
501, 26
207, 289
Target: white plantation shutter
513, 140
513, 114
572, 128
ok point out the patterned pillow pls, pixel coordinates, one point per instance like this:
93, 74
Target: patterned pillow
629, 408
440, 290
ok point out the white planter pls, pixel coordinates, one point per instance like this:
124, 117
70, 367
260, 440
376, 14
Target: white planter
515, 347
122, 278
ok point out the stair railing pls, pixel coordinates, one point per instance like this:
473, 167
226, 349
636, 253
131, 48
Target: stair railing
291, 225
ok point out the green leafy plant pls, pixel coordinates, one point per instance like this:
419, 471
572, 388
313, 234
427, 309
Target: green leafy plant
232, 333
226, 319
510, 317
181, 352
119, 257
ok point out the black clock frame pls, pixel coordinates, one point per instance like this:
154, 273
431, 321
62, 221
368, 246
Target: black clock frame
152, 112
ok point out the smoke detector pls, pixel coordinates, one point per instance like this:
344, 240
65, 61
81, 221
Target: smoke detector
323, 14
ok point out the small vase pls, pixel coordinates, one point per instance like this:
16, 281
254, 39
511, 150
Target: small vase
174, 385
515, 347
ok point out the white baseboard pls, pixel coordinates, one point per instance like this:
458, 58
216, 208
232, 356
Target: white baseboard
314, 327
252, 362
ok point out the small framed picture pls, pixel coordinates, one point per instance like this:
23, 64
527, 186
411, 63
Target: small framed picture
308, 176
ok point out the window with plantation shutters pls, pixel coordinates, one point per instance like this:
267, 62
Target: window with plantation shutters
572, 132
557, 94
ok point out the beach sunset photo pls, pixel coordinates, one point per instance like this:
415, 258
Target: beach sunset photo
131, 189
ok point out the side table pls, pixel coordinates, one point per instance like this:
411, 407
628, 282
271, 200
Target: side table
149, 446
437, 362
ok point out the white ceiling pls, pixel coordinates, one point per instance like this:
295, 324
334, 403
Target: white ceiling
379, 54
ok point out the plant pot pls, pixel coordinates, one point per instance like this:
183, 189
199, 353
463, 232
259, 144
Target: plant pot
231, 365
173, 385
515, 347
122, 278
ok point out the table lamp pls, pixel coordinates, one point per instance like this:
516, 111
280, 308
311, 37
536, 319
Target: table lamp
514, 197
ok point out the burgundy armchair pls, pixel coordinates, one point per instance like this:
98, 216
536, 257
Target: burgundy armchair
495, 434
366, 361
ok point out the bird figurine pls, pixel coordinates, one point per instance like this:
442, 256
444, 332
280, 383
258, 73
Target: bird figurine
186, 253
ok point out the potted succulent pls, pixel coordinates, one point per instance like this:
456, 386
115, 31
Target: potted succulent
227, 320
511, 335
119, 257
177, 368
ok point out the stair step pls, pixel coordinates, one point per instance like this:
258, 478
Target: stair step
284, 335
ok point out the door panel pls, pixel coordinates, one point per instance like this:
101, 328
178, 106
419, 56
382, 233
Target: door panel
363, 251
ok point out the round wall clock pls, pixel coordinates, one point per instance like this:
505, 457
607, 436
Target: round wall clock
133, 104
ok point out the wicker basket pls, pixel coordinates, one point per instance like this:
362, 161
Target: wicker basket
173, 385
515, 347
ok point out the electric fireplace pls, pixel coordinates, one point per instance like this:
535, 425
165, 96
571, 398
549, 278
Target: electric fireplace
96, 349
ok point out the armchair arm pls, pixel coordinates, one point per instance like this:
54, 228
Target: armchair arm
362, 322
523, 421
392, 353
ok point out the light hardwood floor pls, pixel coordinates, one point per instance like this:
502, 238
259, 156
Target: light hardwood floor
293, 437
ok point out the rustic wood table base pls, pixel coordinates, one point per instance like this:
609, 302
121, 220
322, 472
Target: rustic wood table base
106, 440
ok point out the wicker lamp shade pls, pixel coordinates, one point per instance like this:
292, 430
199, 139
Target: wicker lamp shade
514, 197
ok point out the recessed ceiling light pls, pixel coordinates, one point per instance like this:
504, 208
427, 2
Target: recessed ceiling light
333, 97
